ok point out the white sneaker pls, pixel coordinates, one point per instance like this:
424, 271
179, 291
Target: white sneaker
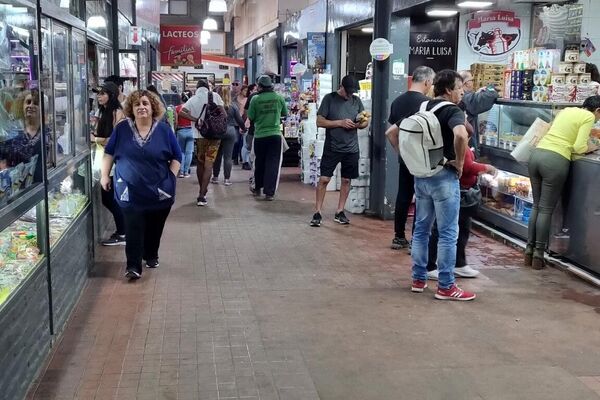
433, 275
466, 272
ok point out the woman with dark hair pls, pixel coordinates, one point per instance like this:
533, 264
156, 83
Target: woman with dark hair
549, 168
234, 121
110, 114
185, 136
147, 158
592, 69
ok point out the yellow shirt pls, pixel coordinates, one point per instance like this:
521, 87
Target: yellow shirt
569, 132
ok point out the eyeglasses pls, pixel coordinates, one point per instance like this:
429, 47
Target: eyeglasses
235, 84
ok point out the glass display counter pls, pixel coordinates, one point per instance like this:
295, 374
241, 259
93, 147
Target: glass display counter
20, 251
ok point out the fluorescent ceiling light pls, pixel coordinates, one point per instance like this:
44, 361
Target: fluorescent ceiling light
217, 6
96, 21
367, 29
437, 12
210, 24
475, 4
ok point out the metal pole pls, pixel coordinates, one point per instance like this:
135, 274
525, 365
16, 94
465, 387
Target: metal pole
381, 70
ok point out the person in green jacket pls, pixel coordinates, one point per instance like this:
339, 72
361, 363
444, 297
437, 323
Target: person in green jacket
265, 111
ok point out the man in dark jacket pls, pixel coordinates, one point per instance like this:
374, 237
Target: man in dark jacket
475, 103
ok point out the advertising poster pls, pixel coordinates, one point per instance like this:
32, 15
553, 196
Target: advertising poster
180, 45
494, 34
316, 50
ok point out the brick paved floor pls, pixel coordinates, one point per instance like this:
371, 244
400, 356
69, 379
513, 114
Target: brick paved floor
251, 303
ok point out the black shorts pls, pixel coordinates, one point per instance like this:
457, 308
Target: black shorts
331, 159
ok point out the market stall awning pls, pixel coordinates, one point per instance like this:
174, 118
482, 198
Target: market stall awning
162, 76
222, 60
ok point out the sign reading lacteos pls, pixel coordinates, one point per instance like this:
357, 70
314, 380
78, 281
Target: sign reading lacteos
180, 45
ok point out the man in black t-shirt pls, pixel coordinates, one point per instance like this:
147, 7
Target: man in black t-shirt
338, 114
439, 195
404, 106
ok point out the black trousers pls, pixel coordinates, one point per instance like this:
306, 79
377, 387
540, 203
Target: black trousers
465, 218
267, 163
406, 191
144, 230
108, 200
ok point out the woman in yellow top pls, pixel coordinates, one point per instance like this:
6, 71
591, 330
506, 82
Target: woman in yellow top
549, 168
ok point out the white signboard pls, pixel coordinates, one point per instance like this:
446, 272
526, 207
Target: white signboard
215, 45
381, 49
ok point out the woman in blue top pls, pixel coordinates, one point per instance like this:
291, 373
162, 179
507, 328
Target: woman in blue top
147, 158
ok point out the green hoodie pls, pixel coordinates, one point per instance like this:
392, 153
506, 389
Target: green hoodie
266, 110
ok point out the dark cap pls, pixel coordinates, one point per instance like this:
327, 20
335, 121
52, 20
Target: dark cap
107, 87
115, 79
349, 84
265, 82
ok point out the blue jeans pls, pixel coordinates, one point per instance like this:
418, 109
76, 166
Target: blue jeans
185, 136
438, 197
245, 151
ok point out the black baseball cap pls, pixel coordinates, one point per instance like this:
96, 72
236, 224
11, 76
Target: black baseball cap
107, 87
350, 84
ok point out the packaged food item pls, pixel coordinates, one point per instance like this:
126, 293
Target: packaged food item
584, 79
572, 79
559, 79
565, 68
572, 56
579, 68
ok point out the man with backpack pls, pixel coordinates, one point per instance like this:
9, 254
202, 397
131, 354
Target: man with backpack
195, 109
404, 106
433, 144
265, 111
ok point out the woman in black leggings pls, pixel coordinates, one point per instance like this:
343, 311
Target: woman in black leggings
549, 168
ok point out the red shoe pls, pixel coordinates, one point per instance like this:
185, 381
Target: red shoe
454, 293
418, 286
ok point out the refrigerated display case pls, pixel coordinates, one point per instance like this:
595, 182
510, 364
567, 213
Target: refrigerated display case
507, 198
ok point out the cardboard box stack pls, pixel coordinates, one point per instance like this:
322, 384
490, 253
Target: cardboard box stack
488, 74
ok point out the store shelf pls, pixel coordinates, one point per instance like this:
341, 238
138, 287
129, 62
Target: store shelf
525, 199
535, 104
503, 221
502, 160
15, 293
25, 202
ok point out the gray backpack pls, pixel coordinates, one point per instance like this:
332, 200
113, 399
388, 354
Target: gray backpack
421, 141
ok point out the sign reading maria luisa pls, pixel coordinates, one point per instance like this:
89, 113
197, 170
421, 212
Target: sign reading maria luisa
427, 46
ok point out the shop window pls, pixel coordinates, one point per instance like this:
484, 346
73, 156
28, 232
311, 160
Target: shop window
21, 133
99, 17
73, 7
174, 7
79, 90
62, 143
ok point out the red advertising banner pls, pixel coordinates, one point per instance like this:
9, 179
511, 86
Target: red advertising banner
180, 45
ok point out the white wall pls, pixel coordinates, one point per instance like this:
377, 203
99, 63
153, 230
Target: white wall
591, 28
466, 56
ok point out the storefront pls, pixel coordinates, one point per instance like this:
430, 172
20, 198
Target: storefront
46, 236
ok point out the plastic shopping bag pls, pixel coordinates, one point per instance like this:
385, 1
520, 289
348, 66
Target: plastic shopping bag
534, 134
98, 155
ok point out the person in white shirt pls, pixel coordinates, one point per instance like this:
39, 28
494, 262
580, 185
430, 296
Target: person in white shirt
206, 149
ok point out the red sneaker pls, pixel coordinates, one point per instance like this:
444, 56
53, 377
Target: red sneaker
418, 286
454, 293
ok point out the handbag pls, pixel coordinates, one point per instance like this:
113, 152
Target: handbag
470, 197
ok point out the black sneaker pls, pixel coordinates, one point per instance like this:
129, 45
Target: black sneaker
400, 243
152, 263
269, 198
246, 166
341, 218
316, 220
256, 192
201, 201
132, 274
114, 240
410, 248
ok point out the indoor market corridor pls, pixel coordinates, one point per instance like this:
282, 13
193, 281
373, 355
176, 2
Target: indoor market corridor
251, 303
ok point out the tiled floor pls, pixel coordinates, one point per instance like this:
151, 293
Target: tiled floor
251, 303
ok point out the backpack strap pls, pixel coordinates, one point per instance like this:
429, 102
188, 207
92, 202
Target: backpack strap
210, 97
424, 105
441, 105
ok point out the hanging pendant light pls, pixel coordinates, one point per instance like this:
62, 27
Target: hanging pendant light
210, 24
217, 6
204, 36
